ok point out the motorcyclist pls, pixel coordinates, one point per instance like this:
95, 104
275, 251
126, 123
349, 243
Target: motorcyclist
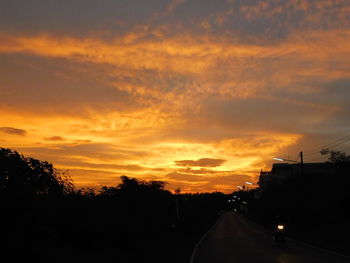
279, 229
278, 220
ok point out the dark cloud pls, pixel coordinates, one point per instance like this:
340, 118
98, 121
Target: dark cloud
268, 19
338, 91
75, 17
13, 131
83, 141
277, 113
55, 138
203, 162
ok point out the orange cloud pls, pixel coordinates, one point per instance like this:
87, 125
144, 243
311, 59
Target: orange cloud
188, 96
105, 155
200, 60
203, 162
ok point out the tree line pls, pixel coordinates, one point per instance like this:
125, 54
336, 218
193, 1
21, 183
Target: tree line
47, 218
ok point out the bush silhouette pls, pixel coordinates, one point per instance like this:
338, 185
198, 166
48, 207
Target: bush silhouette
24, 176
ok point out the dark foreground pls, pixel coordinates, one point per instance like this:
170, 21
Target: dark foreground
235, 239
105, 229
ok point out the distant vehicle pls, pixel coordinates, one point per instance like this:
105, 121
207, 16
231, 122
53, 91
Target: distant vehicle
278, 235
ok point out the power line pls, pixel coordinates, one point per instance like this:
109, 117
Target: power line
330, 145
337, 142
336, 145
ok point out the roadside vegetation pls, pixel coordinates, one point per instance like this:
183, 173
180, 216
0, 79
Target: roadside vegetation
46, 219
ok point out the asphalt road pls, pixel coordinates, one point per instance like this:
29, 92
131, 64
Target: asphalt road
234, 239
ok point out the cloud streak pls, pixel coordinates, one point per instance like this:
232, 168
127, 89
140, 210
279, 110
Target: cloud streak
203, 162
54, 138
13, 131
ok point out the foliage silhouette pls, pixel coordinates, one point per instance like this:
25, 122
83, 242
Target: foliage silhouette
24, 176
336, 156
130, 222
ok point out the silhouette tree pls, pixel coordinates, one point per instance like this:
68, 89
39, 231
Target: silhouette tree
336, 156
129, 184
134, 185
23, 176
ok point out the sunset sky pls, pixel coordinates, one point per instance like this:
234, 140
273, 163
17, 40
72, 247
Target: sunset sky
198, 93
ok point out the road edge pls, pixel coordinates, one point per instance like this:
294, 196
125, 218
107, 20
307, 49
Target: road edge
204, 236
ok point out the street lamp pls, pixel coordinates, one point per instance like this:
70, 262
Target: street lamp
242, 188
284, 160
301, 162
250, 183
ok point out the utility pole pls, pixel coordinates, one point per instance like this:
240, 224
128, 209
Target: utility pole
301, 164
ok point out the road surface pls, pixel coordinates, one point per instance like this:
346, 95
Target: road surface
234, 239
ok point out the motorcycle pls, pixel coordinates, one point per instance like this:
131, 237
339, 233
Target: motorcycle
278, 235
